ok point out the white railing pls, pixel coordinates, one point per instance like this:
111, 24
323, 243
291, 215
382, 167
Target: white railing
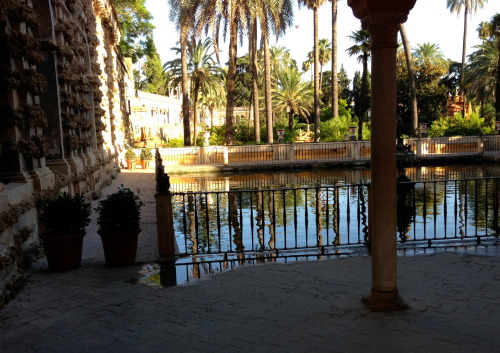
343, 151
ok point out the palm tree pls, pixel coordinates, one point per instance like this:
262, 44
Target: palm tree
483, 30
306, 65
483, 72
280, 58
315, 5
203, 73
213, 100
183, 13
335, 80
469, 7
411, 77
277, 15
362, 49
325, 55
292, 94
232, 14
428, 54
480, 74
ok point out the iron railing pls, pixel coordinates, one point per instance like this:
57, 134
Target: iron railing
330, 219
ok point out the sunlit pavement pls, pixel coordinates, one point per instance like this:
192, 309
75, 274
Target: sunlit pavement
298, 307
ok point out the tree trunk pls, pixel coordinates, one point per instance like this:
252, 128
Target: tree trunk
269, 102
195, 112
316, 78
364, 96
411, 78
185, 89
290, 120
231, 78
255, 86
335, 83
464, 49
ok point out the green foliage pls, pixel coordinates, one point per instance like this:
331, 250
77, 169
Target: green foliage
153, 78
243, 86
130, 155
457, 126
119, 211
136, 26
243, 134
146, 154
175, 142
336, 129
217, 135
65, 215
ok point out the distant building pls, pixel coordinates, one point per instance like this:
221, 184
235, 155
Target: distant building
155, 118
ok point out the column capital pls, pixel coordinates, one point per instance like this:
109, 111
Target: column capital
381, 10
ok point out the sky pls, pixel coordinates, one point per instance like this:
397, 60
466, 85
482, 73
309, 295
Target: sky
428, 22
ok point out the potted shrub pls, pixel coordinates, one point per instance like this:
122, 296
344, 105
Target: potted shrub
64, 219
145, 156
118, 222
131, 159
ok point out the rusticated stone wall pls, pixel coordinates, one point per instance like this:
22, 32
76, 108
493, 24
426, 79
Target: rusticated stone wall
63, 115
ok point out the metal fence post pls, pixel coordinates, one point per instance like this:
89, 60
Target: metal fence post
164, 213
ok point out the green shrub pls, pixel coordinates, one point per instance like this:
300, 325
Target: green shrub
130, 155
65, 215
175, 142
146, 154
472, 125
119, 211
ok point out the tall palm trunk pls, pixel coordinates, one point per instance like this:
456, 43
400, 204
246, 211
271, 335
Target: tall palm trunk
231, 78
267, 79
316, 78
195, 112
255, 86
185, 88
335, 83
464, 49
411, 78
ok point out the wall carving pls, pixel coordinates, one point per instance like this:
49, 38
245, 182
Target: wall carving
63, 87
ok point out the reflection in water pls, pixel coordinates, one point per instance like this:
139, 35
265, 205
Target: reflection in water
330, 215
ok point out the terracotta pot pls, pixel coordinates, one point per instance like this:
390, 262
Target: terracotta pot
144, 164
120, 248
63, 252
131, 165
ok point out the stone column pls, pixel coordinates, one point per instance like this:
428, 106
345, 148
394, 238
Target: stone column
381, 18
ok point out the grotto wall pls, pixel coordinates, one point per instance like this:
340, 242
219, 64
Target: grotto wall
63, 115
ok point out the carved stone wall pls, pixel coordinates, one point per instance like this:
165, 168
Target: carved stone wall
63, 113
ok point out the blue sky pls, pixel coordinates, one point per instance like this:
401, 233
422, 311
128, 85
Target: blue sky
429, 22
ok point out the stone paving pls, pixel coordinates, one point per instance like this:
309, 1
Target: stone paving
312, 306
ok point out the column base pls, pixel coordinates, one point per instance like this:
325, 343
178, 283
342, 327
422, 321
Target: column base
384, 301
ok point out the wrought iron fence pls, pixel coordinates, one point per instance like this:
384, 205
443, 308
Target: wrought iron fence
330, 219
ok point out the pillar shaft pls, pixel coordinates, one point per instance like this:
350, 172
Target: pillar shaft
383, 160
382, 18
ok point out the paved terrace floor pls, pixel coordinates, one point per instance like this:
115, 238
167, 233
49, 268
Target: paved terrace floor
298, 307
